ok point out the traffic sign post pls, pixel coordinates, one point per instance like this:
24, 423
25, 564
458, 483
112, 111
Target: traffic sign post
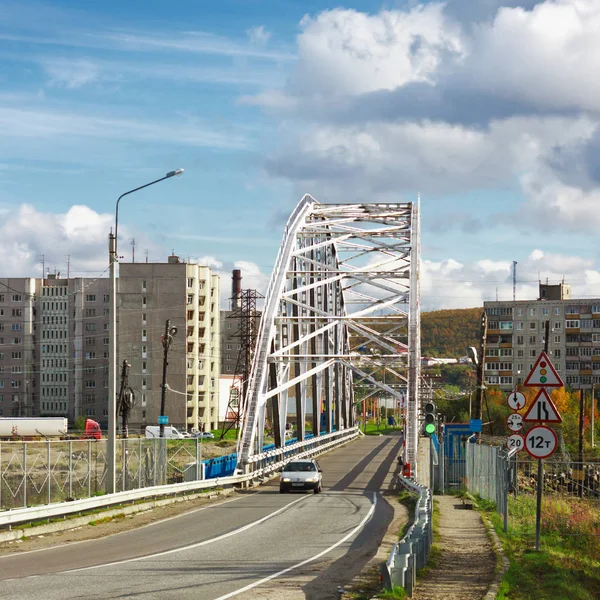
541, 441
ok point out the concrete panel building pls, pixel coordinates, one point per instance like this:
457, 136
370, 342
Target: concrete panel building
516, 334
188, 296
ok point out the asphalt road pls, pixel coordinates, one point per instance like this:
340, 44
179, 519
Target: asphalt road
257, 545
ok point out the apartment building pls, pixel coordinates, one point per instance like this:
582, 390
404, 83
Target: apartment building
188, 296
18, 375
516, 336
48, 339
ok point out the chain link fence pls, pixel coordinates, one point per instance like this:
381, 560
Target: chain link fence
35, 473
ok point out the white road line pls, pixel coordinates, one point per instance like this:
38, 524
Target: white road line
308, 560
188, 512
191, 546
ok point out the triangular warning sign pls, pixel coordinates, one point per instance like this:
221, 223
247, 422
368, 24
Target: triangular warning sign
543, 374
543, 410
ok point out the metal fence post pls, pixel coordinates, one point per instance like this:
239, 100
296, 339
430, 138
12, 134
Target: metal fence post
123, 465
197, 459
89, 461
140, 462
25, 474
48, 457
155, 460
70, 469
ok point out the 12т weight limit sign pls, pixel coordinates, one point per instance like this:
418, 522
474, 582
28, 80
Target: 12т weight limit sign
540, 442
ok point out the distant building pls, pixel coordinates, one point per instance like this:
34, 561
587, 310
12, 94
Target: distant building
187, 295
516, 332
53, 360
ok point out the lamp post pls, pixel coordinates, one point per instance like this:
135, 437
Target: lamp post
112, 349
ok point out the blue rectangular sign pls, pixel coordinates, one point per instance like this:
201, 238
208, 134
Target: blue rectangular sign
163, 420
475, 425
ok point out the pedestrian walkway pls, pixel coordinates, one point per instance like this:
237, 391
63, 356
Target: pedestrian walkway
466, 565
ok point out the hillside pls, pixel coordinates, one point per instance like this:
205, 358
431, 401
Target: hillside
448, 333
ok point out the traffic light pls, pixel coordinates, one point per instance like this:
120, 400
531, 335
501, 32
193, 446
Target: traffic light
430, 418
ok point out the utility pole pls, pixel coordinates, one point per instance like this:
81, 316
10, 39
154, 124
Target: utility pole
126, 398
167, 339
480, 372
581, 415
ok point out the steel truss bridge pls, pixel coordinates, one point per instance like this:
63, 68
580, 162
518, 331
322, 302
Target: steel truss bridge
340, 324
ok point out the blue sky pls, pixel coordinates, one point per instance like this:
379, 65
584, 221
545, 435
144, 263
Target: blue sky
262, 101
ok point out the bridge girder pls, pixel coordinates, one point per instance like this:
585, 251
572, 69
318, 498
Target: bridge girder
341, 312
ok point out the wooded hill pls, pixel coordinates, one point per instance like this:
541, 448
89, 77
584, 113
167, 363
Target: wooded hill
448, 333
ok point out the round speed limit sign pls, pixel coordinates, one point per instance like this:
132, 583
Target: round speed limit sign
515, 441
541, 441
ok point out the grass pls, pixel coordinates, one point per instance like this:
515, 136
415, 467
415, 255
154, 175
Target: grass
567, 565
375, 429
397, 593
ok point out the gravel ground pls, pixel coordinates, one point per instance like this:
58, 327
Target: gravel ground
467, 564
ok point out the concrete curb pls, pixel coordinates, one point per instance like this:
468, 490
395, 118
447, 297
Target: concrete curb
503, 562
64, 525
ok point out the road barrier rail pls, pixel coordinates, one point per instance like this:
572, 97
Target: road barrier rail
411, 553
262, 466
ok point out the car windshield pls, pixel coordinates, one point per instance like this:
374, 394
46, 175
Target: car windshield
300, 467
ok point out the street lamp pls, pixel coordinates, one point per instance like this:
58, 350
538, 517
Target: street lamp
112, 351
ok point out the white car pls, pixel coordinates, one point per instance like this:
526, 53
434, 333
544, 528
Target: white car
301, 474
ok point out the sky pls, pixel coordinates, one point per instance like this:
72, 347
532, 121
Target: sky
488, 109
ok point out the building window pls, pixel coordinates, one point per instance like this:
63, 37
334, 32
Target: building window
190, 299
532, 339
573, 324
144, 366
144, 287
532, 312
16, 298
143, 383
106, 297
520, 325
90, 297
545, 311
144, 301
532, 353
532, 325
90, 312
506, 325
190, 380
557, 325
144, 335
190, 282
557, 339
90, 383
557, 353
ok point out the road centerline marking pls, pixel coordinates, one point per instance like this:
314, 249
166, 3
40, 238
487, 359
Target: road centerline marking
308, 560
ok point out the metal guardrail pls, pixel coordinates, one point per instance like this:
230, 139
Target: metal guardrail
411, 553
266, 463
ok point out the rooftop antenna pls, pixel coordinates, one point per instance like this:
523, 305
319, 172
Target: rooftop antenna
133, 250
68, 265
514, 280
43, 269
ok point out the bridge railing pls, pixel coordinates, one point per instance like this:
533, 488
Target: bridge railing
59, 478
411, 553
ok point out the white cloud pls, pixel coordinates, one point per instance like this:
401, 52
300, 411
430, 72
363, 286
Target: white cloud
424, 98
72, 73
258, 35
452, 284
26, 234
43, 123
348, 52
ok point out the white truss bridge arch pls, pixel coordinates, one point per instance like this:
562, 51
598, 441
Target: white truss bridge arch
340, 323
